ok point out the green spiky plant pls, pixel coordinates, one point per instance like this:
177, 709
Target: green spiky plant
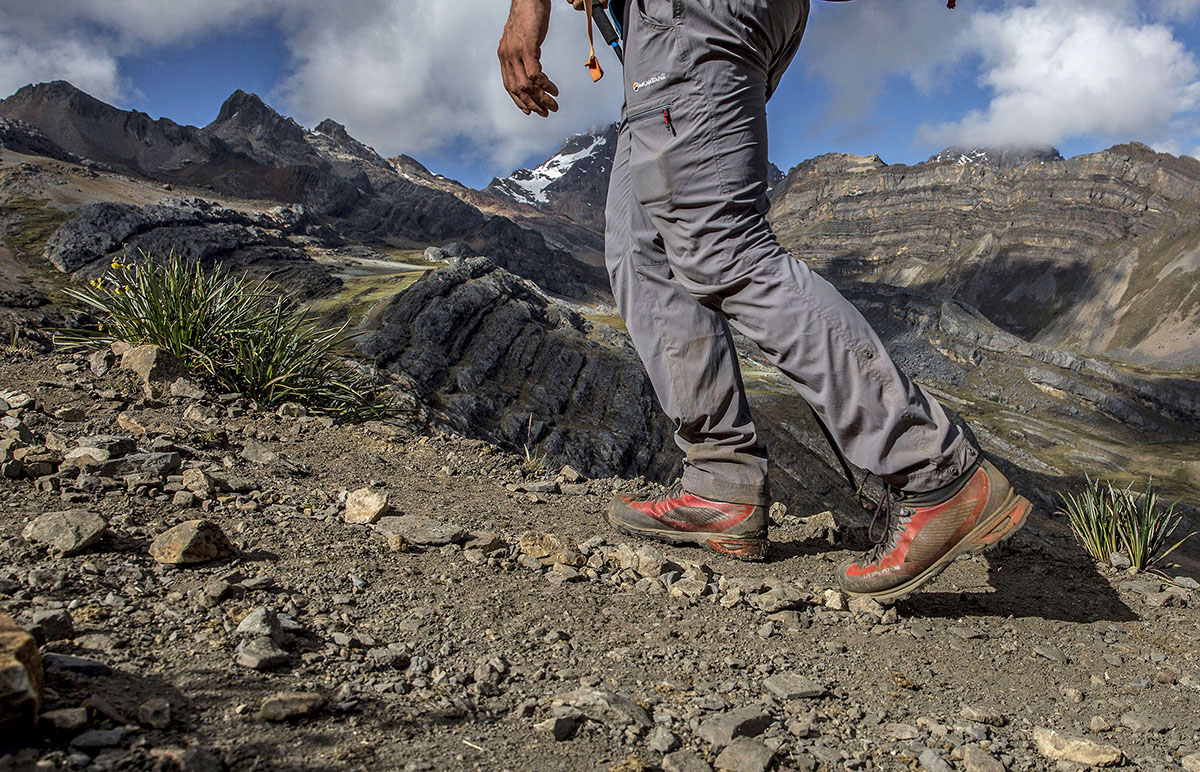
1108, 520
237, 333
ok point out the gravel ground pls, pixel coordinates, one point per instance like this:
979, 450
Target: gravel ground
492, 620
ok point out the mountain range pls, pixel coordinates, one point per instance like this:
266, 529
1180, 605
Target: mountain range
1051, 301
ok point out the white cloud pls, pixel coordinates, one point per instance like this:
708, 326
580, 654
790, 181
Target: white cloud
1059, 69
420, 77
404, 76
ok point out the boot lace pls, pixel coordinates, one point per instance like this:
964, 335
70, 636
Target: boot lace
894, 517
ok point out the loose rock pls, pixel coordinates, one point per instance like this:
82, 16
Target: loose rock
260, 653
67, 533
793, 686
685, 761
723, 729
745, 755
1060, 747
417, 530
21, 677
196, 541
285, 706
366, 506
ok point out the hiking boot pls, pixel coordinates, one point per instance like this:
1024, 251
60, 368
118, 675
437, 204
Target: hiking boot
923, 536
739, 530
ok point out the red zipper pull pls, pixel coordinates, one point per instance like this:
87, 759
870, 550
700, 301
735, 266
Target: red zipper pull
667, 120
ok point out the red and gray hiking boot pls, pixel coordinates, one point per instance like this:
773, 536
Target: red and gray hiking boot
739, 530
924, 536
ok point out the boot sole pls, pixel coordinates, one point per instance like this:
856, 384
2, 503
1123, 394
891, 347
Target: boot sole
985, 536
748, 548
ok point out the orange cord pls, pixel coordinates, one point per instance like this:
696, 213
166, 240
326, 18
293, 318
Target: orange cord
593, 64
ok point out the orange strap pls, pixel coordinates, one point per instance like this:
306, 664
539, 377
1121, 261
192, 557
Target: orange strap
593, 64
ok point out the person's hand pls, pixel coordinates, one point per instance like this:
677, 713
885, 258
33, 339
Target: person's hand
581, 5
520, 55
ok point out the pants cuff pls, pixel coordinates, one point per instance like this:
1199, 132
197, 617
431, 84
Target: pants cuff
730, 493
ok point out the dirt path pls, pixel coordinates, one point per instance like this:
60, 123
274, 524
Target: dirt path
473, 654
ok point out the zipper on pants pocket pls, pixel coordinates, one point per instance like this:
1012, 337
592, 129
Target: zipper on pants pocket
664, 112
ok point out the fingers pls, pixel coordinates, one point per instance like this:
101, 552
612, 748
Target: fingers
529, 88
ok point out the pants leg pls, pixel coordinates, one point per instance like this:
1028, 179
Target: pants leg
687, 350
698, 75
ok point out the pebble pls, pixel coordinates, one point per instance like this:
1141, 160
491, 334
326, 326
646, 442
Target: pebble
1191, 762
932, 761
258, 453
67, 533
685, 761
366, 506
605, 707
549, 549
793, 686
983, 715
1080, 750
196, 541
560, 728
1052, 653
65, 720
52, 625
285, 706
745, 754
262, 622
721, 730
976, 759
260, 653
155, 713
97, 739
82, 665
662, 740
417, 530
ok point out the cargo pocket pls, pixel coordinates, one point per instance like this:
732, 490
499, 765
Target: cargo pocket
651, 134
658, 13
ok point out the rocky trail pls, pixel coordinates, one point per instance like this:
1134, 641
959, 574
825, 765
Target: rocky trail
212, 586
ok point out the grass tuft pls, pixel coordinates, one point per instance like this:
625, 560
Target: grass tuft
235, 332
1109, 520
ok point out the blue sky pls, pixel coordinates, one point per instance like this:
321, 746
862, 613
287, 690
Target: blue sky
901, 79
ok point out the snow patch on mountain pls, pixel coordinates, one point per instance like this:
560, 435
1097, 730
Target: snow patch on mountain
528, 186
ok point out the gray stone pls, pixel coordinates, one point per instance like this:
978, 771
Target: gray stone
286, 706
1191, 762
559, 727
976, 759
155, 367
867, 607
1080, 750
793, 686
85, 458
156, 465
366, 506
258, 453
98, 739
1137, 721
52, 625
67, 533
605, 707
983, 715
115, 444
1052, 653
155, 713
662, 740
186, 388
260, 653
685, 761
419, 531
16, 400
81, 665
720, 730
931, 761
745, 755
259, 623
101, 362
196, 541
65, 720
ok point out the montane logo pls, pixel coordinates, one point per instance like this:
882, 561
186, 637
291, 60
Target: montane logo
651, 82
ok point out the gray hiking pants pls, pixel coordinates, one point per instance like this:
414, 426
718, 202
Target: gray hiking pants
689, 253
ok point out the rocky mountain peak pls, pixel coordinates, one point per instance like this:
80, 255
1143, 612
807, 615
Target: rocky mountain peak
998, 157
245, 114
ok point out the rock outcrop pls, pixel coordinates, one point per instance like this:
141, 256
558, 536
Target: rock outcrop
266, 243
501, 361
